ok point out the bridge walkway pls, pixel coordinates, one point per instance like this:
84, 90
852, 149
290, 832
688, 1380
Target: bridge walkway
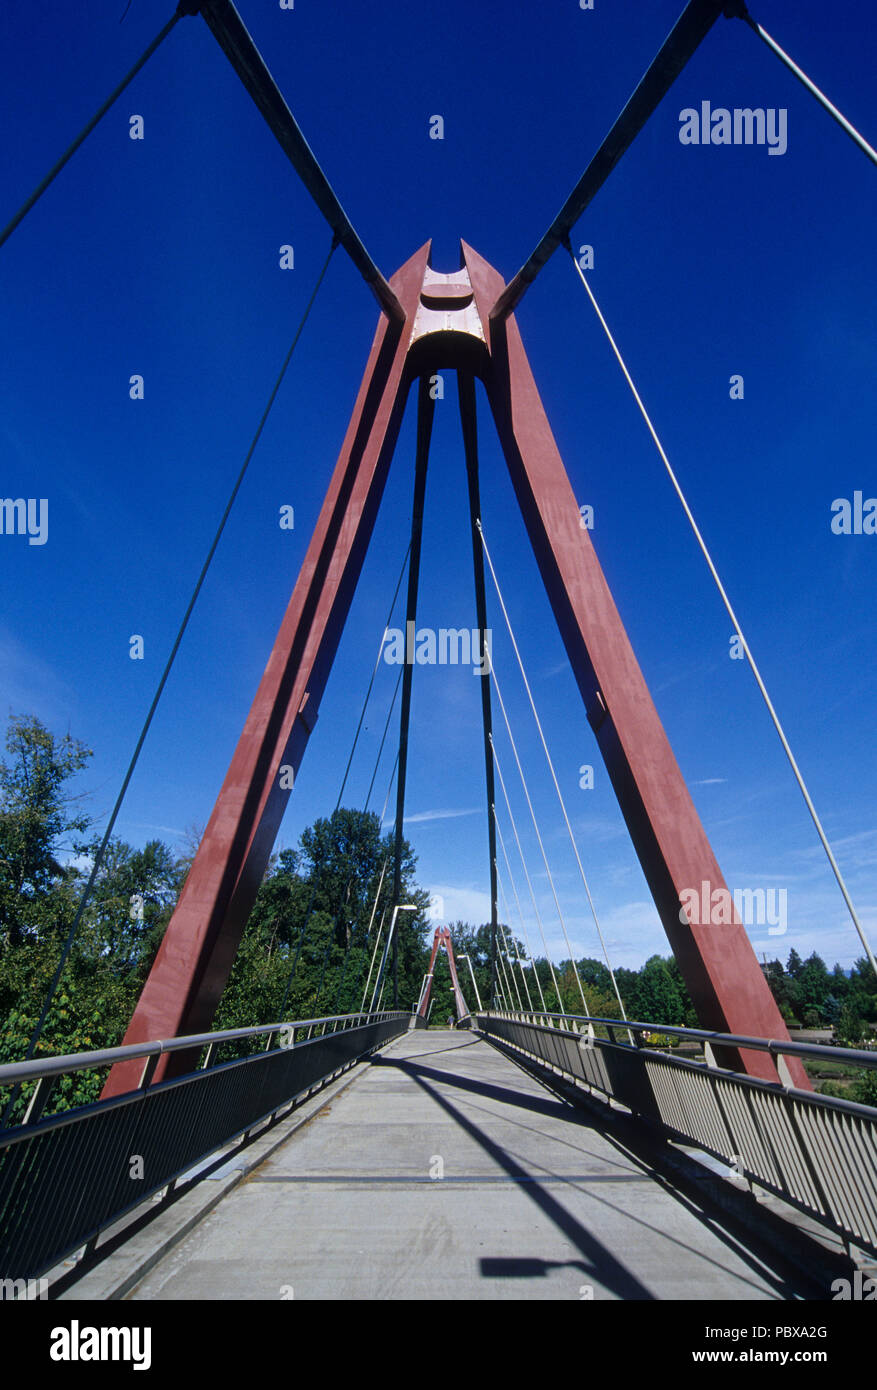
445, 1171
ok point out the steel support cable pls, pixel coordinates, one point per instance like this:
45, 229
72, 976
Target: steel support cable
519, 908
506, 966
387, 857
232, 35
517, 954
469, 423
372, 965
347, 772
743, 13
86, 895
383, 872
383, 740
504, 1003
732, 615
566, 819
514, 940
374, 907
687, 34
520, 916
526, 874
538, 837
372, 681
507, 987
502, 975
308, 913
182, 9
511, 963
425, 416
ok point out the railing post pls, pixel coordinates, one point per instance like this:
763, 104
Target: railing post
39, 1099
148, 1071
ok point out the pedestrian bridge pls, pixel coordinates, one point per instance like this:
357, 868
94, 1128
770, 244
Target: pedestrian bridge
365, 1158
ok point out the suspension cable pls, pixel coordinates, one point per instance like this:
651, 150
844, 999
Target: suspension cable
511, 969
732, 615
520, 913
572, 837
511, 933
383, 739
372, 681
526, 874
383, 867
805, 81
538, 836
98, 860
374, 953
308, 912
56, 168
380, 883
505, 937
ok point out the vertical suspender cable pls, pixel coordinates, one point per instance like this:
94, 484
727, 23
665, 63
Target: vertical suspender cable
468, 416
425, 412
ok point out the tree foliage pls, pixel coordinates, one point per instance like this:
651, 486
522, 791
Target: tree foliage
314, 941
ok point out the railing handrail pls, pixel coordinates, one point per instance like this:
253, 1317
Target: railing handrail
812, 1150
12, 1073
855, 1056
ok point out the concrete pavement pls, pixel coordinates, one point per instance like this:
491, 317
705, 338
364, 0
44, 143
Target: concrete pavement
445, 1171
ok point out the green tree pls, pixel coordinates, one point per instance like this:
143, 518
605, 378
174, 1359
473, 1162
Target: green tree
865, 1088
785, 988
863, 989
310, 938
794, 965
37, 816
814, 982
831, 1010
850, 1026
658, 998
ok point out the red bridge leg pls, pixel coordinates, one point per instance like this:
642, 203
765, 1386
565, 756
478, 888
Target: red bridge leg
718, 963
186, 982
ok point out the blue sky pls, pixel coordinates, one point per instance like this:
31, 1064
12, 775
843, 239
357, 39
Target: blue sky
160, 257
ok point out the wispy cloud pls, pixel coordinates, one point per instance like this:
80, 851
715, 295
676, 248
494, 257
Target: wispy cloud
709, 782
440, 815
458, 903
165, 829
28, 682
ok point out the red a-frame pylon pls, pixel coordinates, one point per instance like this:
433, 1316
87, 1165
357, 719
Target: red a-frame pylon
441, 939
447, 325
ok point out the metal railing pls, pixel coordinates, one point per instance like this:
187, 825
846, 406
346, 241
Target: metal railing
818, 1153
65, 1178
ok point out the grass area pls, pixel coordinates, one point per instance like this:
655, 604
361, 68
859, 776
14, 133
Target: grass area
818, 1069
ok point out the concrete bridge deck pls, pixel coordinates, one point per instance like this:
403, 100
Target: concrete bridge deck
443, 1170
